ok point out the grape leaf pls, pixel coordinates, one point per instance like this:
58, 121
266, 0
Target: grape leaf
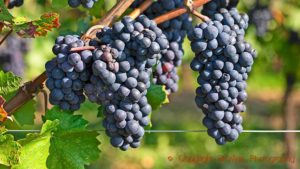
41, 2
4, 13
4, 167
73, 149
64, 142
59, 4
40, 27
25, 114
100, 111
8, 83
99, 9
9, 150
72, 145
67, 120
35, 148
83, 25
157, 96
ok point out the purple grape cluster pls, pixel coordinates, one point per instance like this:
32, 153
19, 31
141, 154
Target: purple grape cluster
121, 90
68, 72
85, 3
15, 3
175, 31
121, 70
12, 53
260, 17
224, 60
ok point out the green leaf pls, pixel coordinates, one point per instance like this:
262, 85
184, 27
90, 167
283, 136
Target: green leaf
59, 4
4, 13
73, 149
157, 96
35, 148
83, 25
72, 145
98, 9
40, 27
8, 83
41, 2
9, 150
25, 115
67, 120
63, 143
100, 111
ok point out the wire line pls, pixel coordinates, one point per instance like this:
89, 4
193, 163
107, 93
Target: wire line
176, 131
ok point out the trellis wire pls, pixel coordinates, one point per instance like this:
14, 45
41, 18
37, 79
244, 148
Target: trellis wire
176, 131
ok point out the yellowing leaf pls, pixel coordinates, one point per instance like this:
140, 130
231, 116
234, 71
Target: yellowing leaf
9, 150
38, 27
8, 83
20, 20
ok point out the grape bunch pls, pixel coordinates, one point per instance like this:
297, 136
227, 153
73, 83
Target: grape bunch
12, 53
223, 60
260, 17
85, 3
121, 90
121, 70
68, 72
15, 3
175, 31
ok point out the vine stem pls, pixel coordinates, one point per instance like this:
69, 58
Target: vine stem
177, 12
27, 91
6, 2
5, 37
138, 11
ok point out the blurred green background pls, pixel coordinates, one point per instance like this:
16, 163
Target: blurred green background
273, 88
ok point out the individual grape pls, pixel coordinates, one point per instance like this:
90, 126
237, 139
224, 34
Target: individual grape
15, 3
117, 141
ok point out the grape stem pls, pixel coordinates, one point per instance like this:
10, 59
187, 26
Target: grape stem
5, 37
138, 11
27, 91
118, 10
177, 12
200, 16
6, 2
114, 13
78, 49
